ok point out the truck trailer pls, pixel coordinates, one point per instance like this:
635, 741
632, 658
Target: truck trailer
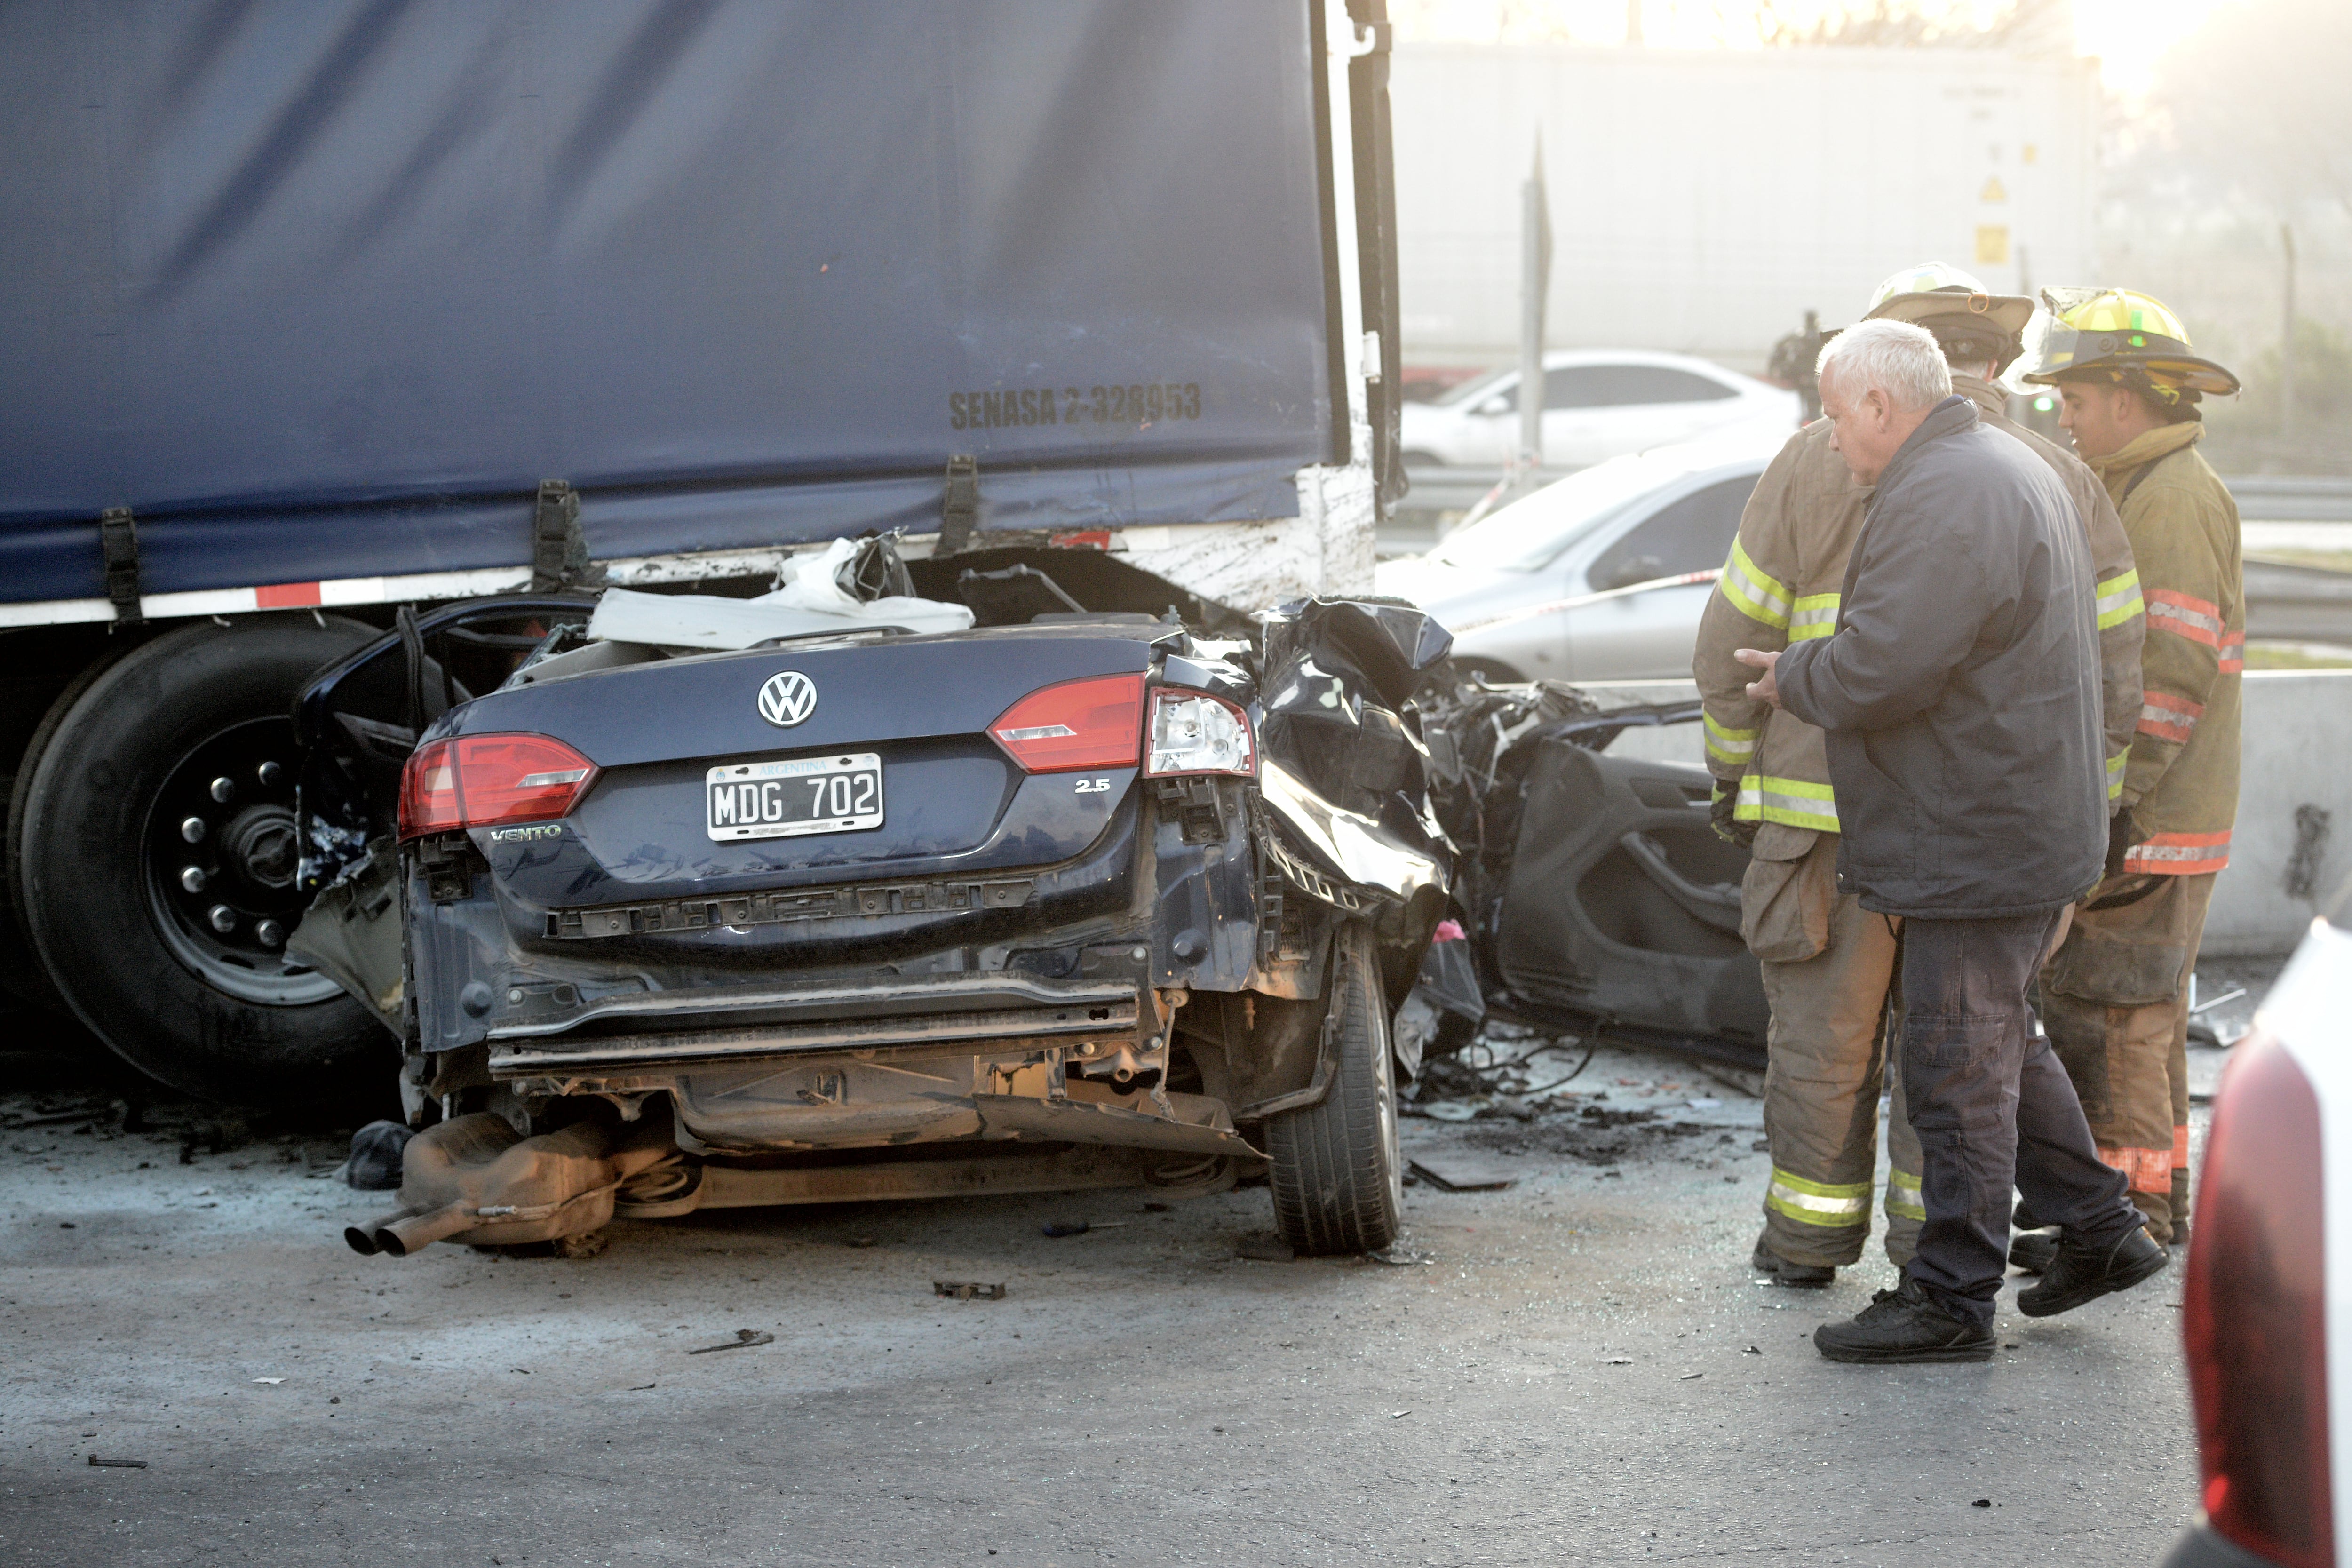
319, 310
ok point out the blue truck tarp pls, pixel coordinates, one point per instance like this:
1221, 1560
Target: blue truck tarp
324, 288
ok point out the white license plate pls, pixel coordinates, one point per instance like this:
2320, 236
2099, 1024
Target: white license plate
809, 795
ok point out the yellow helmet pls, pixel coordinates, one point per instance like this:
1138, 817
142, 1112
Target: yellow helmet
1967, 319
2123, 339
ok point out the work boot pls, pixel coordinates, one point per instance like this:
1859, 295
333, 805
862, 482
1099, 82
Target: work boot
1798, 1275
2079, 1273
2034, 1250
1902, 1326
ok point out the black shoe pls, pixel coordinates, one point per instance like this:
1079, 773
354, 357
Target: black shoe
2034, 1250
2079, 1274
1797, 1276
1903, 1326
2024, 1218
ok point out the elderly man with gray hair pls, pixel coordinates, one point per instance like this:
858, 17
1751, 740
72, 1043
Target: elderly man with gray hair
1960, 697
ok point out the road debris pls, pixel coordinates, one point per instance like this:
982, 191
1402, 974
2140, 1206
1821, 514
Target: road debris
967, 1290
1398, 1415
273, 1382
118, 1464
1688, 1375
1981, 1502
1462, 1176
1080, 1226
744, 1340
1397, 1255
373, 1164
1266, 1249
1617, 1360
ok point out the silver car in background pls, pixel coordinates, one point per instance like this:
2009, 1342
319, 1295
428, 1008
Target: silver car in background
1598, 576
1597, 403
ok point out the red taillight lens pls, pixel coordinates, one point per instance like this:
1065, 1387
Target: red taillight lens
2254, 1315
1193, 732
481, 781
1092, 723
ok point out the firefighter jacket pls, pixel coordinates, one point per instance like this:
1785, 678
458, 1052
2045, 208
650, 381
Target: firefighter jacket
2181, 785
1780, 586
1960, 688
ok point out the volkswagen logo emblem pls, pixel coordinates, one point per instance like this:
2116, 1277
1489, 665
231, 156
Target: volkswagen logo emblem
787, 698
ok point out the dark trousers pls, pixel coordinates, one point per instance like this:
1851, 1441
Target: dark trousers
1993, 1108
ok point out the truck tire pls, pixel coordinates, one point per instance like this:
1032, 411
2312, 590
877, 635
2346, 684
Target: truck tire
1337, 1172
155, 857
21, 968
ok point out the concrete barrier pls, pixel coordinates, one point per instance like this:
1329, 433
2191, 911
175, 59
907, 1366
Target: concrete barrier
2294, 800
2297, 755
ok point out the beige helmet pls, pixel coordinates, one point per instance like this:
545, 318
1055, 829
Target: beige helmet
1969, 321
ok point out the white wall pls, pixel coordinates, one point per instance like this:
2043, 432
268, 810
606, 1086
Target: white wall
1703, 199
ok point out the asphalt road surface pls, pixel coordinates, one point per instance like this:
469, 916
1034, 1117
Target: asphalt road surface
1582, 1370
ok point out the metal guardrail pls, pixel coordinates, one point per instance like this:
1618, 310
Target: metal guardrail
2298, 604
2264, 497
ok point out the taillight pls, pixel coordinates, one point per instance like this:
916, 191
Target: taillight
481, 781
1092, 723
1192, 732
2254, 1315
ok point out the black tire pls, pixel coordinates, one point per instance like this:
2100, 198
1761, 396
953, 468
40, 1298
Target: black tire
22, 971
94, 873
1337, 1172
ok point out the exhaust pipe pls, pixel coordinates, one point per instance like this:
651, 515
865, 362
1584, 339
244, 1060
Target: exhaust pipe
362, 1237
399, 1234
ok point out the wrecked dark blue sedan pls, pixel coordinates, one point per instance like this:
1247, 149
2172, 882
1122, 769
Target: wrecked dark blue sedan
1076, 898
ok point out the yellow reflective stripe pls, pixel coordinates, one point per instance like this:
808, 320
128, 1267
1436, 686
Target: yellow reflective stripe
2119, 600
2116, 765
1839, 1205
1754, 592
1729, 745
1792, 802
1902, 1196
1815, 617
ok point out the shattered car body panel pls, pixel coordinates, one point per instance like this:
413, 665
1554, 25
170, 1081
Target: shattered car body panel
1597, 893
1129, 950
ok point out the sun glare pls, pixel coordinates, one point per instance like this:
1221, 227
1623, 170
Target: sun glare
2130, 36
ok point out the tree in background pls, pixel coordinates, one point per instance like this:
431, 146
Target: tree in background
2229, 196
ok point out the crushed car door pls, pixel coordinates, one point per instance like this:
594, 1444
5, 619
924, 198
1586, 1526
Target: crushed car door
1621, 905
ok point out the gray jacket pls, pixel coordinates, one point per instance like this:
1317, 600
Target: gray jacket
1961, 691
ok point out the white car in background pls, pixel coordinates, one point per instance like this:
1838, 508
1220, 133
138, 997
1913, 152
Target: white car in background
2266, 1308
1597, 403
1579, 581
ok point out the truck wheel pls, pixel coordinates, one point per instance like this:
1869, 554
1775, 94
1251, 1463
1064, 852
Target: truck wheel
1338, 1176
155, 853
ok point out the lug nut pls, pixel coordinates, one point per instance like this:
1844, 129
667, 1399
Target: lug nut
193, 830
268, 773
224, 789
223, 919
191, 878
269, 933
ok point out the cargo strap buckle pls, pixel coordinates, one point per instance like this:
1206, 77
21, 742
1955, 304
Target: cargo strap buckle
959, 512
559, 550
118, 535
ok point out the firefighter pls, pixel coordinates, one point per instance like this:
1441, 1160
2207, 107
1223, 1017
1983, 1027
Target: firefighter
2116, 996
1828, 964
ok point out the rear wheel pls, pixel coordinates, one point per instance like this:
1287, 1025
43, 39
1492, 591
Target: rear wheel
1338, 1174
156, 858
